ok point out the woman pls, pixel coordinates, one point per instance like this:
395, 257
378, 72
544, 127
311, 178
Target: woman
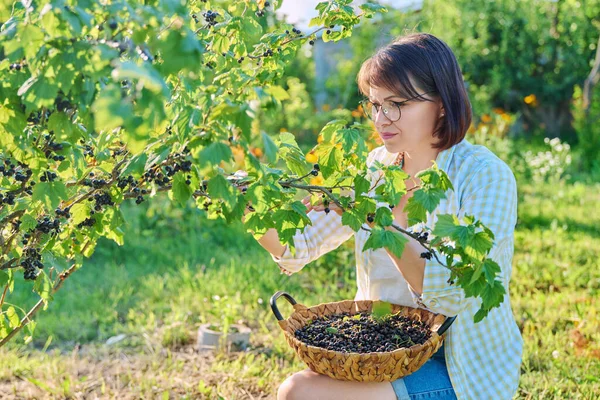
419, 105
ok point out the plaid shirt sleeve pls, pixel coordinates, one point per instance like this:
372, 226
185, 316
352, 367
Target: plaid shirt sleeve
324, 235
490, 196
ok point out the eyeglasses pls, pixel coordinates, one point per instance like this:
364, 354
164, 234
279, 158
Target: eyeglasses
391, 109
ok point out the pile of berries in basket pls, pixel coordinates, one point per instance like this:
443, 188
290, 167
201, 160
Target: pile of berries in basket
363, 332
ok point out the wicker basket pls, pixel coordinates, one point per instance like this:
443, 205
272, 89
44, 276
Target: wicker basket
360, 367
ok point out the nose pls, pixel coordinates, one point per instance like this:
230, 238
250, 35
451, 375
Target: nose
380, 118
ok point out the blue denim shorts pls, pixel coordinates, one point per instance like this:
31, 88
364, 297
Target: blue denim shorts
431, 381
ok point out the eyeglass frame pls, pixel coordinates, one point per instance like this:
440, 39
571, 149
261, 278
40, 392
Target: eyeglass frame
396, 103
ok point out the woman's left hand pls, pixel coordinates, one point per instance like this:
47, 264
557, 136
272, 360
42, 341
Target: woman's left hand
319, 206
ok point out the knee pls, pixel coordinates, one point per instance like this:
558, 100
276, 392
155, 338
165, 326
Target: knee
296, 386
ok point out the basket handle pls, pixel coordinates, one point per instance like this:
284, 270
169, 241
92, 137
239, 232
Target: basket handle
274, 298
444, 327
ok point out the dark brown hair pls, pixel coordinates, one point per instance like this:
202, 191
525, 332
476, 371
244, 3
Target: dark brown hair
432, 66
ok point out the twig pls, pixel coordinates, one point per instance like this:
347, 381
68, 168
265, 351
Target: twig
27, 318
3, 296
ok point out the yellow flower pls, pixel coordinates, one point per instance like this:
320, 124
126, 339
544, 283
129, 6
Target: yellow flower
486, 118
530, 99
356, 114
256, 151
317, 180
506, 117
498, 110
326, 107
282, 130
311, 157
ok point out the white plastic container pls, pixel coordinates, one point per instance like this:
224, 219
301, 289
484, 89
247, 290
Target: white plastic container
209, 339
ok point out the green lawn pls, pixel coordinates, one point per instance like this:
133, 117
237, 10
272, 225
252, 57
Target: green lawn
178, 270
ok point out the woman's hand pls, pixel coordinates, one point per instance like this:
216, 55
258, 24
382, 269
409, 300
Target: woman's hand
320, 206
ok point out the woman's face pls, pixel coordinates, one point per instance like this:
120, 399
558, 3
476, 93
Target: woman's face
413, 132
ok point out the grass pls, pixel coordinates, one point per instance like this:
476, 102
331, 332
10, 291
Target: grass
178, 270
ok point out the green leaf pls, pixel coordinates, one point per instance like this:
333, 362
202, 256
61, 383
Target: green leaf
43, 286
220, 44
382, 238
416, 211
428, 197
384, 216
493, 294
135, 165
13, 318
278, 92
221, 188
372, 7
109, 110
79, 212
270, 148
37, 93
330, 158
351, 218
50, 193
480, 315
3, 278
258, 225
361, 185
446, 226
479, 245
380, 309
32, 39
491, 269
180, 48
477, 272
214, 153
287, 221
63, 128
28, 222
330, 128
144, 73
251, 27
394, 185
292, 155
331, 329
181, 191
351, 138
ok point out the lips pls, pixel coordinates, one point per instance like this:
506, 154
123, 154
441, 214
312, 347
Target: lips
387, 135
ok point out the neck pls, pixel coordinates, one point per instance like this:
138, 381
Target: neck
416, 162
